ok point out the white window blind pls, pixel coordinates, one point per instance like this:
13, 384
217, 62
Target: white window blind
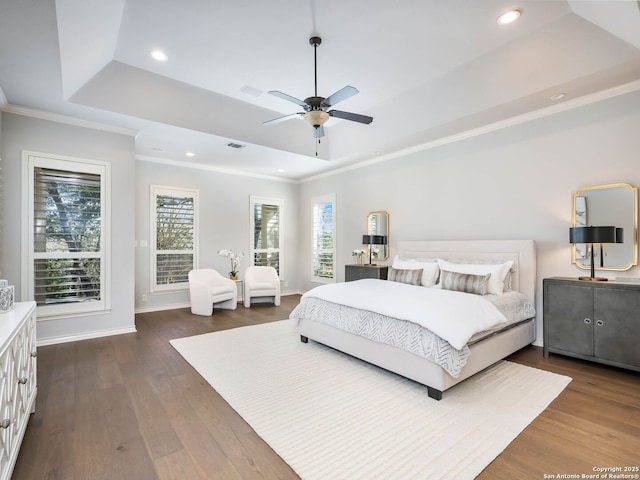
266, 231
323, 251
174, 237
67, 258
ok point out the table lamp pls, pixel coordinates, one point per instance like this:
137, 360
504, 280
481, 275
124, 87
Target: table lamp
592, 235
373, 240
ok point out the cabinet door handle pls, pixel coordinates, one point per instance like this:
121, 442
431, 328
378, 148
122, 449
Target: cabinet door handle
34, 354
22, 380
587, 321
5, 423
599, 323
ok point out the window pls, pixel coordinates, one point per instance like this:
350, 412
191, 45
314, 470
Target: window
174, 234
323, 233
266, 231
67, 248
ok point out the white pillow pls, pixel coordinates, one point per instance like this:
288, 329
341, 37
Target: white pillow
498, 272
430, 270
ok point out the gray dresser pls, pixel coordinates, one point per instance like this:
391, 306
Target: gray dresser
597, 321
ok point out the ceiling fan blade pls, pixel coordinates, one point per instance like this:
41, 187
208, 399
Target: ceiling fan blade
318, 132
289, 98
339, 96
354, 117
281, 119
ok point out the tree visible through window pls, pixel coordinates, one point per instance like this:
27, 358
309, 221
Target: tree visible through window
67, 228
174, 236
323, 239
67, 221
266, 228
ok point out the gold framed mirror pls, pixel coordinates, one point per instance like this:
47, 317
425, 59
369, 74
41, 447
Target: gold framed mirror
378, 224
614, 204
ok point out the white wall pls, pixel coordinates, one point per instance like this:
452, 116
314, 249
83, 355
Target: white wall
25, 133
515, 183
224, 223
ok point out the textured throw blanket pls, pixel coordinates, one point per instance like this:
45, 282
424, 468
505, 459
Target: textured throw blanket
382, 329
452, 316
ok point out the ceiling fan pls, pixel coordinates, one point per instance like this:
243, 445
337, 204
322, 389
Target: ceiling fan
316, 109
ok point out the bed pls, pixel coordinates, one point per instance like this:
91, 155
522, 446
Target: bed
316, 317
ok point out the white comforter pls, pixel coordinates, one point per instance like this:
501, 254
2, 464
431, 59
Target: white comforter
453, 316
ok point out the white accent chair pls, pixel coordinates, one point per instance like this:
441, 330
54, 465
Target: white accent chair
261, 282
206, 287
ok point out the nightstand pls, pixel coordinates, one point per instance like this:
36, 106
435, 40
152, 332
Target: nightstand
597, 321
357, 272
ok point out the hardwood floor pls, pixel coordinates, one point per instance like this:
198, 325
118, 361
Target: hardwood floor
129, 407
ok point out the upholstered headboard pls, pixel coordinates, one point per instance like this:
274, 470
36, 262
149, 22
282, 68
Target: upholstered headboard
522, 252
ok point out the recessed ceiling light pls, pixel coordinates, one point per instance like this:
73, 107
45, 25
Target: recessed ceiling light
159, 55
190, 154
508, 17
280, 170
557, 96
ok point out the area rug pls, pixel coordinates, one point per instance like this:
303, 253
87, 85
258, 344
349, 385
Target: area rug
329, 415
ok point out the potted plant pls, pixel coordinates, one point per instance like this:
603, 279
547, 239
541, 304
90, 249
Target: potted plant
234, 258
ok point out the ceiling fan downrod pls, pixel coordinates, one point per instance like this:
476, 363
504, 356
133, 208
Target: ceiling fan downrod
315, 41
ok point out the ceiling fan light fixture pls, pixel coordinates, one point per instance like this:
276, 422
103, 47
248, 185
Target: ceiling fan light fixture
316, 118
317, 107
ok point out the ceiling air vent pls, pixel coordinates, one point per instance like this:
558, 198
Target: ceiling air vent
235, 145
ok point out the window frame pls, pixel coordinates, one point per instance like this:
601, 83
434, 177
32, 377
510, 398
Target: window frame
315, 201
154, 191
30, 161
257, 199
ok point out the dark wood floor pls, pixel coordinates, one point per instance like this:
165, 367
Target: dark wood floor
129, 407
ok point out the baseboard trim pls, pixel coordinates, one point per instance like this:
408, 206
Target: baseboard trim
175, 306
41, 342
160, 308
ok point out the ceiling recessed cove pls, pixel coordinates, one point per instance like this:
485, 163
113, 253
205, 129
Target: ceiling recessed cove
235, 145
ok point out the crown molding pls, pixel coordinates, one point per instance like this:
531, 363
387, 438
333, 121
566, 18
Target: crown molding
491, 127
56, 117
211, 168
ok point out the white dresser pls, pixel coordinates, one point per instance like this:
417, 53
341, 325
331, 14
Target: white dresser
17, 380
